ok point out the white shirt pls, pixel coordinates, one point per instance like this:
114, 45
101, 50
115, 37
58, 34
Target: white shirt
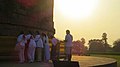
54, 41
28, 36
20, 40
45, 40
39, 43
20, 37
68, 39
22, 43
37, 38
32, 43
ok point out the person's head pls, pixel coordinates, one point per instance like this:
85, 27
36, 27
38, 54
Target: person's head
37, 32
29, 32
43, 34
67, 31
52, 36
21, 32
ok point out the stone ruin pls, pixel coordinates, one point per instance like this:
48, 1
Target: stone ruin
26, 15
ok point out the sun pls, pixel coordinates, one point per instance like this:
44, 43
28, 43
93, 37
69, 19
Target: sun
76, 8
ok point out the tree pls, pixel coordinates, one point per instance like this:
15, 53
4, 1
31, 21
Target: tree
104, 38
116, 46
96, 45
79, 48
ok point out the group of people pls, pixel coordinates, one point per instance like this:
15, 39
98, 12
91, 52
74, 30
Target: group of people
29, 47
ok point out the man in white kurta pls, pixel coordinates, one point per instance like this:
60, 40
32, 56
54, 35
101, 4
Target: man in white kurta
46, 48
31, 49
39, 47
26, 45
68, 45
20, 46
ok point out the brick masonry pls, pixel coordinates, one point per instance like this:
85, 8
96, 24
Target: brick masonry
24, 15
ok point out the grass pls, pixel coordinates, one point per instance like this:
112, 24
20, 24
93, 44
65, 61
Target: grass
117, 57
106, 53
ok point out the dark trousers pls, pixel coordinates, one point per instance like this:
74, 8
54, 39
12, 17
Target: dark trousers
54, 53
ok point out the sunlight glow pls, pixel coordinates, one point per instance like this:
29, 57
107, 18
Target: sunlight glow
76, 8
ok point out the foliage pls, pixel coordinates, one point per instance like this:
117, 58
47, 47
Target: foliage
79, 48
116, 46
96, 46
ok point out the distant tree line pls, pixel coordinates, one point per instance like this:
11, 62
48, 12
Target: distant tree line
116, 45
101, 45
97, 45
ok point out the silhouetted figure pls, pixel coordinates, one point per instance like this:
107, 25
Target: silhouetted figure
68, 45
55, 49
104, 38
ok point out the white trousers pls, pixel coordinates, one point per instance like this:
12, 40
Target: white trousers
47, 52
31, 53
21, 55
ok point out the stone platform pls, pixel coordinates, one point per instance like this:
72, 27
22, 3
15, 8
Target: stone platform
84, 61
89, 61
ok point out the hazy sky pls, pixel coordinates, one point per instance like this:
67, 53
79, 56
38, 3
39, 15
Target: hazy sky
89, 20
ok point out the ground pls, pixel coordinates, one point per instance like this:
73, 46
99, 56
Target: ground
84, 61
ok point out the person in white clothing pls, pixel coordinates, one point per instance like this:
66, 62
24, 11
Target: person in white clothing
31, 49
20, 46
54, 49
26, 45
46, 48
28, 35
68, 45
39, 47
